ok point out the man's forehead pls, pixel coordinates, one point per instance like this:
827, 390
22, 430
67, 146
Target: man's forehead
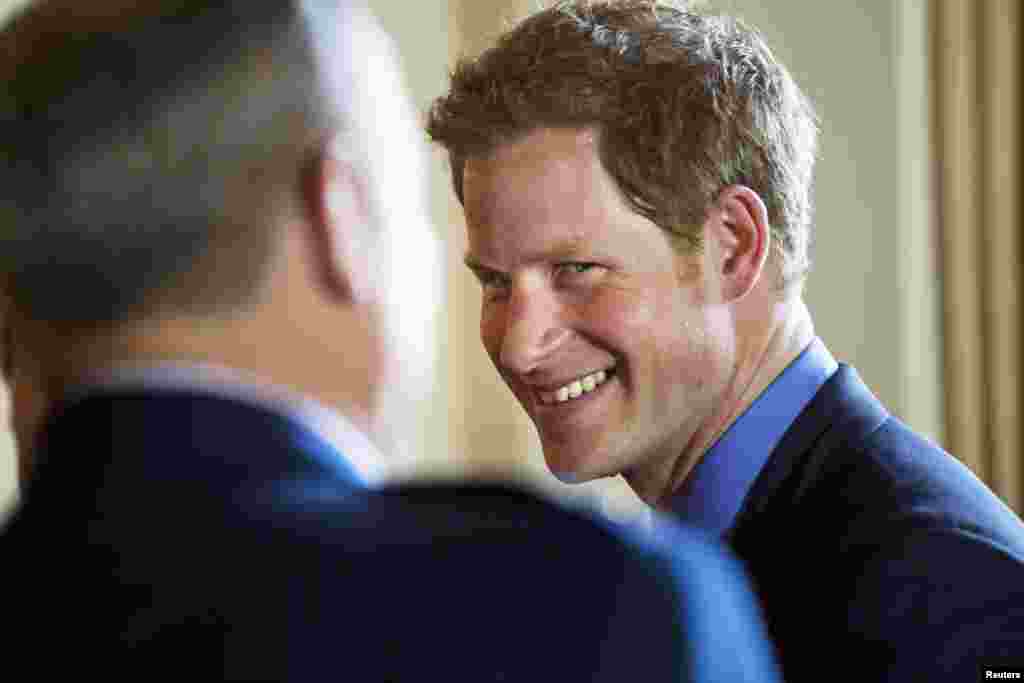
544, 177
547, 247
530, 230
575, 147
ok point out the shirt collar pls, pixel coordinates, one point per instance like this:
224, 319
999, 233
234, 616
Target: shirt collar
712, 495
351, 445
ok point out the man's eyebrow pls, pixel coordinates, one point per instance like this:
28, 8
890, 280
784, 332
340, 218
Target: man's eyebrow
566, 249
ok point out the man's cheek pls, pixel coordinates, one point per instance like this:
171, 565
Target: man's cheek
491, 333
644, 307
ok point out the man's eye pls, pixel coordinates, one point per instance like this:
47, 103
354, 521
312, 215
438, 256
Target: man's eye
576, 269
493, 280
493, 284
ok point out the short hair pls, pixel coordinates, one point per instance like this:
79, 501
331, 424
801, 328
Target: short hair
148, 148
685, 103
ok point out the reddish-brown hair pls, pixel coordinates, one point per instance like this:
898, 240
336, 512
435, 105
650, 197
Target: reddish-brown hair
685, 104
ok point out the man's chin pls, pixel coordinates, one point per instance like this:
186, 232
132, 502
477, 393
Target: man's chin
578, 463
569, 477
574, 473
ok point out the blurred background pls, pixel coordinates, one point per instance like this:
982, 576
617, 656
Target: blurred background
917, 246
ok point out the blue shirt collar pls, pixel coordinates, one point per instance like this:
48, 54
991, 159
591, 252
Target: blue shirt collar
712, 495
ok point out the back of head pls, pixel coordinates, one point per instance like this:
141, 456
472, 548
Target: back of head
152, 152
148, 147
686, 103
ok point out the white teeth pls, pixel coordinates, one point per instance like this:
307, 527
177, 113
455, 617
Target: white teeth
575, 388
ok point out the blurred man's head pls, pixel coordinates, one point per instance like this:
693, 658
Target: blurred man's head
200, 181
636, 180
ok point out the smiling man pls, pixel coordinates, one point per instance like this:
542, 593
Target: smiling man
636, 180
601, 326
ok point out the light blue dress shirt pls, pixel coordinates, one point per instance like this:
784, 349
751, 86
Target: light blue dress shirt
713, 494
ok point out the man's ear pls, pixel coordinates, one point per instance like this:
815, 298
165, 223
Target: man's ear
337, 208
738, 224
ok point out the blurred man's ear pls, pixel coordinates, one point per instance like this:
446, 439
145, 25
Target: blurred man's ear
337, 206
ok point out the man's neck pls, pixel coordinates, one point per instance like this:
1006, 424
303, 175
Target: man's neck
760, 359
268, 352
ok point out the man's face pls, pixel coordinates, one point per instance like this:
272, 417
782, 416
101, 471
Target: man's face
591, 315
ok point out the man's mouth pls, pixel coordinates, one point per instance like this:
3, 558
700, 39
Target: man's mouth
576, 388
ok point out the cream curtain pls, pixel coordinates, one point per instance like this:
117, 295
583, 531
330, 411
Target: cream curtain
977, 111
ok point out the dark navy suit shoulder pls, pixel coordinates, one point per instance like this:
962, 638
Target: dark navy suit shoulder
869, 544
202, 538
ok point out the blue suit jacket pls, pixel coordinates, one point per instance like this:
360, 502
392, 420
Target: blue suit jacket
877, 554
178, 534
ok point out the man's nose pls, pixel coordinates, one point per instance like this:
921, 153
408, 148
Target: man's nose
534, 329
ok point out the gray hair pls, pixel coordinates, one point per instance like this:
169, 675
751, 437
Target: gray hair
144, 164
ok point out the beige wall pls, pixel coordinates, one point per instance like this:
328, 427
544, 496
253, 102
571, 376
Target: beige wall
7, 6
